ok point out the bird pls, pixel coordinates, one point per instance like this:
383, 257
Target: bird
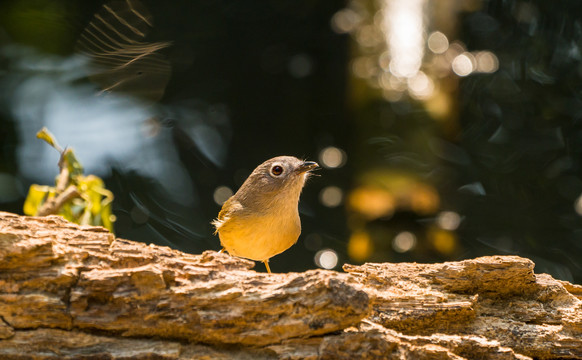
261, 219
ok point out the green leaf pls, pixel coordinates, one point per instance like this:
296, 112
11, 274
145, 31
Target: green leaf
73, 165
98, 201
37, 195
45, 135
92, 207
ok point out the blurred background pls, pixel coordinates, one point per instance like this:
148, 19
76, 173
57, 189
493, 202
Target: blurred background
445, 129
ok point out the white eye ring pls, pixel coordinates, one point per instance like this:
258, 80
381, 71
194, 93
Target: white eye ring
277, 170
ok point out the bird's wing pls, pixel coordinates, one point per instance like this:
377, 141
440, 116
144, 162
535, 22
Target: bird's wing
118, 57
228, 208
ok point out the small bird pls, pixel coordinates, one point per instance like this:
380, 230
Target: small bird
262, 220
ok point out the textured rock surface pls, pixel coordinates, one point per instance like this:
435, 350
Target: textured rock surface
497, 298
73, 292
54, 274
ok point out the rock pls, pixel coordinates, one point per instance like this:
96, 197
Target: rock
55, 274
70, 292
496, 297
45, 344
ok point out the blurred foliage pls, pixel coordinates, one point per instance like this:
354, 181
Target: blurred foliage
522, 134
43, 24
488, 163
506, 158
89, 202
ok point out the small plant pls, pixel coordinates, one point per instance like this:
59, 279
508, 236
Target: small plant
76, 197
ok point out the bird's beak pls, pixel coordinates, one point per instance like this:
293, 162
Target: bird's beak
307, 166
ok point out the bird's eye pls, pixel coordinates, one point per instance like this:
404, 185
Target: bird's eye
276, 170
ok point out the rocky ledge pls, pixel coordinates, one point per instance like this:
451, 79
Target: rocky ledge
77, 292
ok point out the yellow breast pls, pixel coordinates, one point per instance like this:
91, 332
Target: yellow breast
260, 237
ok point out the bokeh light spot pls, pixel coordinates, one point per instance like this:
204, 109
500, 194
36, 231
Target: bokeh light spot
360, 246
439, 105
345, 21
300, 65
326, 258
420, 86
424, 200
578, 205
332, 157
455, 49
331, 196
438, 42
443, 241
486, 62
404, 29
403, 242
372, 203
139, 215
463, 65
448, 220
221, 194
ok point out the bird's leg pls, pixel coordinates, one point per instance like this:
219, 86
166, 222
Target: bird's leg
266, 262
222, 250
